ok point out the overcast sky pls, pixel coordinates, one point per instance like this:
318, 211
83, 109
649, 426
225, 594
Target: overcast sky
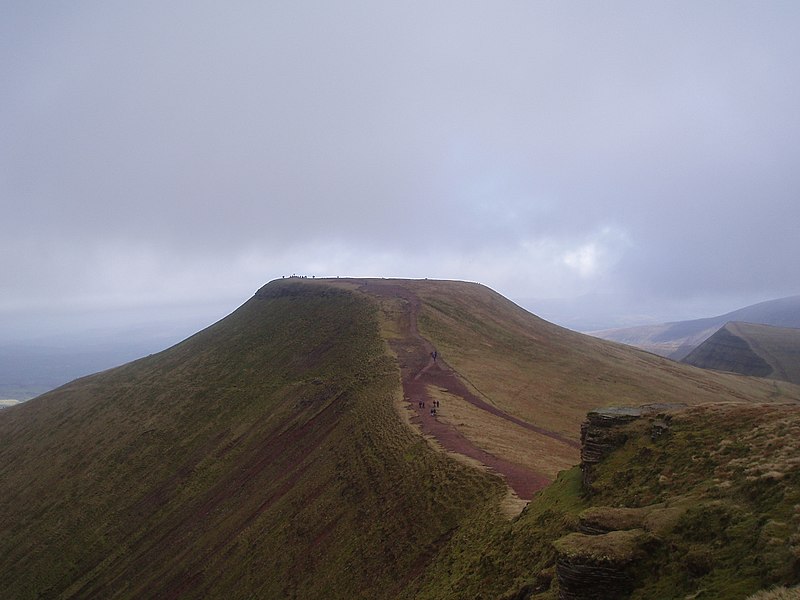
182, 154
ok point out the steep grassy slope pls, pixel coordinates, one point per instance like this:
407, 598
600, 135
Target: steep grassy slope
262, 457
750, 349
552, 376
708, 509
677, 340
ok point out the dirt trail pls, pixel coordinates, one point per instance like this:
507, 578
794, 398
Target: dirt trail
418, 370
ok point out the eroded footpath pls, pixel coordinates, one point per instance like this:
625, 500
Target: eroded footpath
419, 370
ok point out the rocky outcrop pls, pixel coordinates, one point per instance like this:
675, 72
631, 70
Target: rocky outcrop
604, 431
598, 566
600, 434
597, 562
580, 580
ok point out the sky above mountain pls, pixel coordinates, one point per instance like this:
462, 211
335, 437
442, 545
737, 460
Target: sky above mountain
179, 154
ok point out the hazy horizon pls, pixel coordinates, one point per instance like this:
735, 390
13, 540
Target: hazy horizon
37, 356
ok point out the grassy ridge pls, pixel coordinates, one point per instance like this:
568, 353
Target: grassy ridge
551, 376
260, 457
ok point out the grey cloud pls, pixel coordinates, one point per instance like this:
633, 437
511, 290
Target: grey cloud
243, 141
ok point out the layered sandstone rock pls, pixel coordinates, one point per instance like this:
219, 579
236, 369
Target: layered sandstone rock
596, 563
598, 566
604, 431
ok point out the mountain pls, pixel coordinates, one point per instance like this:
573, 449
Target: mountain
676, 340
285, 452
750, 349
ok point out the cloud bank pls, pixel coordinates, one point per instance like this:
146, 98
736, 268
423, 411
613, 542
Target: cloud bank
175, 152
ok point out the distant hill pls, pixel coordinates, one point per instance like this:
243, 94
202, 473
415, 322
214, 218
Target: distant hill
284, 452
750, 349
676, 340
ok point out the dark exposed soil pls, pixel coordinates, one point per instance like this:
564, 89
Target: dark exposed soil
419, 369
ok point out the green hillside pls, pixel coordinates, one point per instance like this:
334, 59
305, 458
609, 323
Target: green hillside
273, 455
751, 349
262, 457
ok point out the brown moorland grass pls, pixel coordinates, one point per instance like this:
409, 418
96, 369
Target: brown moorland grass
540, 453
550, 376
533, 370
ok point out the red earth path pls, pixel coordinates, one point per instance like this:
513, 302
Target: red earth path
418, 369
